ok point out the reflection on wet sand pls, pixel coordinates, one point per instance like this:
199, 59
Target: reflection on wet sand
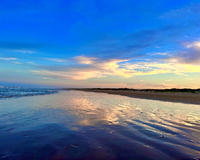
85, 125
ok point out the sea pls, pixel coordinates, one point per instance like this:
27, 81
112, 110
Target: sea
52, 124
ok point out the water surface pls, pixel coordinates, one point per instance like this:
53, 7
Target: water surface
86, 125
9, 92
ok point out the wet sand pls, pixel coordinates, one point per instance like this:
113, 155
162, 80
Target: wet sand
88, 125
187, 98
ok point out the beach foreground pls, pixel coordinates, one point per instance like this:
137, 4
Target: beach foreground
188, 98
88, 125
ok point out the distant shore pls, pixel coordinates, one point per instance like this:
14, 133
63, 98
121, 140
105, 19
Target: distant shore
162, 95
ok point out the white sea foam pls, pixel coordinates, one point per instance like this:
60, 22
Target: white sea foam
8, 91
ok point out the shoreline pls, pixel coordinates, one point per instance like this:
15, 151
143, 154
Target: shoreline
187, 98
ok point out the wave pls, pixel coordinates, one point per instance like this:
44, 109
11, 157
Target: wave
10, 92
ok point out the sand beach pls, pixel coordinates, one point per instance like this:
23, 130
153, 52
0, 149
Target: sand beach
188, 98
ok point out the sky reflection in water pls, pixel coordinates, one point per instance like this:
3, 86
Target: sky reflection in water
86, 125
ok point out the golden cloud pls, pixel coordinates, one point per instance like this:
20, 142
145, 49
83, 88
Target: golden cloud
119, 67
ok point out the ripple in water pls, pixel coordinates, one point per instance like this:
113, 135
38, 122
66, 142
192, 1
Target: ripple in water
81, 125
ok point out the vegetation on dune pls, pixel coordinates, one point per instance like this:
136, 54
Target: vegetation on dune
174, 90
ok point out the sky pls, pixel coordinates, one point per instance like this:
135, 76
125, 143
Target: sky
100, 43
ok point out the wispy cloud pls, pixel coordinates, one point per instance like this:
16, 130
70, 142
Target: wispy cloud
8, 58
139, 85
68, 75
95, 70
110, 85
30, 62
85, 60
44, 78
161, 53
156, 86
17, 63
168, 80
117, 67
165, 85
56, 59
188, 12
150, 68
190, 55
24, 51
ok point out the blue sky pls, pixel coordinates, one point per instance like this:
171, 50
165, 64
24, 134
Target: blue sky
100, 43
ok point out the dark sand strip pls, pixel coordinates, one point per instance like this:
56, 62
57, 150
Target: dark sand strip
188, 98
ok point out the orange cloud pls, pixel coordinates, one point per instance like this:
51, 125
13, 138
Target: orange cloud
119, 67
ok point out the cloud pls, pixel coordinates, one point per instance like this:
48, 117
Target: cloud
156, 86
139, 85
150, 68
44, 78
112, 85
97, 68
190, 55
8, 59
17, 62
123, 51
174, 28
194, 44
30, 62
168, 80
153, 36
69, 74
131, 45
188, 12
56, 59
161, 53
165, 85
24, 51
136, 44
85, 60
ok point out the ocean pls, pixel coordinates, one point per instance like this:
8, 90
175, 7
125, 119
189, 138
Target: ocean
54, 124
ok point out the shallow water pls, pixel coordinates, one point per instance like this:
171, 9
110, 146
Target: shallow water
86, 125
